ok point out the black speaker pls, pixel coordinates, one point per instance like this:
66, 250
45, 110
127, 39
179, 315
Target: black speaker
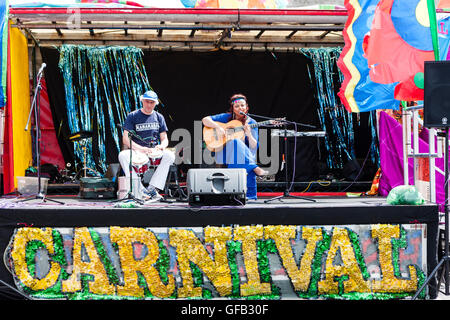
351, 170
436, 103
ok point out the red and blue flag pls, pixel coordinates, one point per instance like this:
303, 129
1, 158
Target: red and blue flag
358, 92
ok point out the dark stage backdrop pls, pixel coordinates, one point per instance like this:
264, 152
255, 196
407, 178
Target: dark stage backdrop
192, 85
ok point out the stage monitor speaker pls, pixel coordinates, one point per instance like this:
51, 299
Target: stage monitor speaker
216, 186
436, 104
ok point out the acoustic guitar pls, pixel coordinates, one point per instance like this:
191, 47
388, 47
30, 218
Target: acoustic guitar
233, 130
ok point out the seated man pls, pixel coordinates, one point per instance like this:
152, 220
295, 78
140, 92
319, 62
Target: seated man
151, 128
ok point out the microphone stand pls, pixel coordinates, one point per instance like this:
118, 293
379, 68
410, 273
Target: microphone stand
286, 193
36, 107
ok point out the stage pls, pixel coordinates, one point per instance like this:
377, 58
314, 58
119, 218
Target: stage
351, 213
326, 210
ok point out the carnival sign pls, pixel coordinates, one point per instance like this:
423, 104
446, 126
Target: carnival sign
380, 261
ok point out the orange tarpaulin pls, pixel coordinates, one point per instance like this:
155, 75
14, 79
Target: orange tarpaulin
18, 153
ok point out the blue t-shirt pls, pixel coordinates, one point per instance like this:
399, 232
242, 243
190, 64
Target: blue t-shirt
148, 127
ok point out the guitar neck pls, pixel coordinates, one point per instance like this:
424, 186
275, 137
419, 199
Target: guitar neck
254, 125
262, 123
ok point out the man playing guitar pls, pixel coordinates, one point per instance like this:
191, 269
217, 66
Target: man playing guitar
151, 127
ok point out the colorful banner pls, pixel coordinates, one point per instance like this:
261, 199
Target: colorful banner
399, 43
222, 4
358, 92
380, 261
123, 2
241, 4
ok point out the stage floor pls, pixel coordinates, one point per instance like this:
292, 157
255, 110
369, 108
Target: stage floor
325, 210
75, 202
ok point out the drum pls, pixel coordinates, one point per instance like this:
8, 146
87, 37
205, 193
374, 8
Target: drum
142, 161
155, 157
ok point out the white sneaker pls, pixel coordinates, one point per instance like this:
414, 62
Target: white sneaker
151, 195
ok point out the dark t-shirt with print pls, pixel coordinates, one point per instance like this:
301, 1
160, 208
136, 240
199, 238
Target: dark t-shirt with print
148, 127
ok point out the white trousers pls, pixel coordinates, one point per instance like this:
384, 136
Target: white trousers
159, 177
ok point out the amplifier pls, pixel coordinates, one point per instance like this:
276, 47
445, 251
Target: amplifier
97, 188
216, 186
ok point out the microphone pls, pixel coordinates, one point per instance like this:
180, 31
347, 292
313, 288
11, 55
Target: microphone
243, 113
42, 67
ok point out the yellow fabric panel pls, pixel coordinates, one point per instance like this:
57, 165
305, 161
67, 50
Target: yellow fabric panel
20, 102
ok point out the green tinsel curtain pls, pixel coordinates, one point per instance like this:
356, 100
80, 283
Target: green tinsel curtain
102, 85
334, 118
